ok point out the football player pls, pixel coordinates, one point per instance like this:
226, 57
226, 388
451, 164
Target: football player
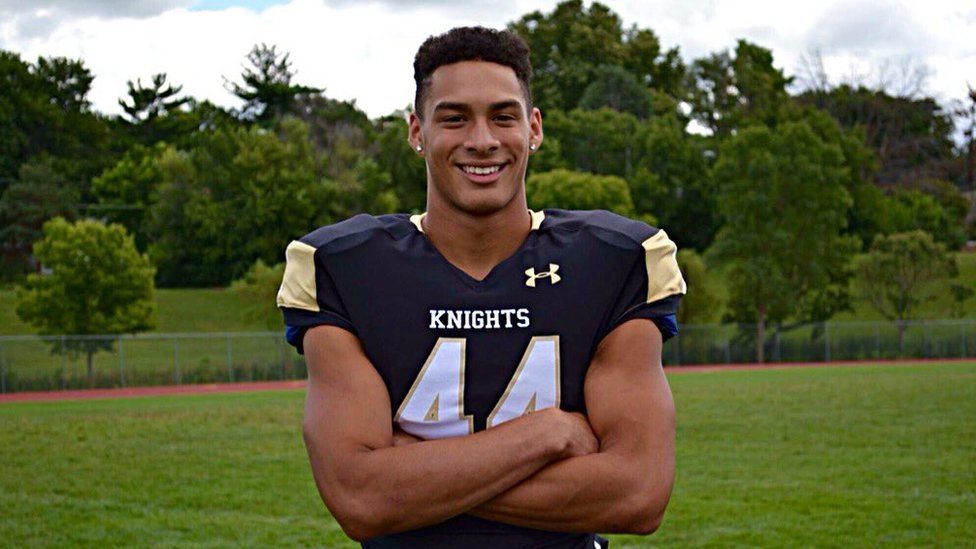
483, 375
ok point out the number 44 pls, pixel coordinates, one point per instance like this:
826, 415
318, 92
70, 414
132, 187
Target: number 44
434, 406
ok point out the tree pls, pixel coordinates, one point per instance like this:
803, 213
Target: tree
615, 88
95, 282
147, 103
234, 198
578, 191
126, 191
728, 92
781, 193
901, 271
257, 290
701, 303
267, 90
39, 194
569, 45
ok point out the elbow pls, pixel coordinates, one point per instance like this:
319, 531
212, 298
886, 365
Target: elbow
642, 515
359, 520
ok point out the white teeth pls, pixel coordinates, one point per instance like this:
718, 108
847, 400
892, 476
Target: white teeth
481, 171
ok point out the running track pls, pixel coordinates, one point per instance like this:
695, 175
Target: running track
125, 392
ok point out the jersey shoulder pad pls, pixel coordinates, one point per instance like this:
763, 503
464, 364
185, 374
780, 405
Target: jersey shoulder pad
609, 227
356, 230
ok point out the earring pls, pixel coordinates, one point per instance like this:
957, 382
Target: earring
420, 148
531, 146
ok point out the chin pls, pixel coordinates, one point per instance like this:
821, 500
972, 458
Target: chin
486, 204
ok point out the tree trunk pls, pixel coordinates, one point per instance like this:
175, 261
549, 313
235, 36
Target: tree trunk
761, 335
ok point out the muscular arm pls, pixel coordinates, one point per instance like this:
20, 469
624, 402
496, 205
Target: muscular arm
373, 487
624, 487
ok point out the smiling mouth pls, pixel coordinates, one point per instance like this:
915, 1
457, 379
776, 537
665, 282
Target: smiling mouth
481, 170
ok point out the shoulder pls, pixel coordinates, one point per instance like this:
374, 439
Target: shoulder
353, 232
608, 227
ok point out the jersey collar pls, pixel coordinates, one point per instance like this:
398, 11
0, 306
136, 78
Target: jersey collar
537, 218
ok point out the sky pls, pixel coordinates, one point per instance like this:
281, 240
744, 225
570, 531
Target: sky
363, 50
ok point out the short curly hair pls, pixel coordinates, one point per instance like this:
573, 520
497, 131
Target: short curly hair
471, 44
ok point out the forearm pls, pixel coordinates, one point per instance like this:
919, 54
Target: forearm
595, 493
391, 489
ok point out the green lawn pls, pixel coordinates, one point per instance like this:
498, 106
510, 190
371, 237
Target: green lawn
857, 456
177, 310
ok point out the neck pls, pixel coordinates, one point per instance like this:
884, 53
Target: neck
473, 243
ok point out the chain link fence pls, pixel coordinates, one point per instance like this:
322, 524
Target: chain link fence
45, 363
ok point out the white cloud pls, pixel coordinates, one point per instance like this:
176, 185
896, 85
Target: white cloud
364, 50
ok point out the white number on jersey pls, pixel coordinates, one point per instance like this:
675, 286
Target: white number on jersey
434, 405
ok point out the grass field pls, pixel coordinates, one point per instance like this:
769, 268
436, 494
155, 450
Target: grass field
832, 456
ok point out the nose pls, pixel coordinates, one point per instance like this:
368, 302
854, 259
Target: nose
480, 139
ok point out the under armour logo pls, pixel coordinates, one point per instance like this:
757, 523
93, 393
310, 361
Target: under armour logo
551, 274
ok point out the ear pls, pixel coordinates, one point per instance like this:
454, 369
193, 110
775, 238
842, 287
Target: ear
535, 128
414, 135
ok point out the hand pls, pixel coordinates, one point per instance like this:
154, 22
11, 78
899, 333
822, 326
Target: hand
573, 431
402, 438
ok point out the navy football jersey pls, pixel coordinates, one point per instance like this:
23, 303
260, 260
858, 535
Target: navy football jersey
458, 354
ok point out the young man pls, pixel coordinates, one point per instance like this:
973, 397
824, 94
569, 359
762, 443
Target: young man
483, 375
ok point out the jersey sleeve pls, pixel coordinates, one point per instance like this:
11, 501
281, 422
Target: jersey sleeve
308, 295
652, 289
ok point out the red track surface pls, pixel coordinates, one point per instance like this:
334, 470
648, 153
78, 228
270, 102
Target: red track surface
125, 392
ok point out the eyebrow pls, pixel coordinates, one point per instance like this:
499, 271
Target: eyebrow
498, 106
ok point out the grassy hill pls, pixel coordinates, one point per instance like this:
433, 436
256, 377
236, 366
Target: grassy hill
220, 310
177, 310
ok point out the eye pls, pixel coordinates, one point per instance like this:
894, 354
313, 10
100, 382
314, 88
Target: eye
453, 119
506, 118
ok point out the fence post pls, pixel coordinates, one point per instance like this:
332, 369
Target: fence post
64, 366
826, 342
121, 361
176, 359
230, 361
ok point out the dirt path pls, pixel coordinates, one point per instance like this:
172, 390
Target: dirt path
126, 392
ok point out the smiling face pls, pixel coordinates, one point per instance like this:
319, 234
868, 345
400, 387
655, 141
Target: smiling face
476, 137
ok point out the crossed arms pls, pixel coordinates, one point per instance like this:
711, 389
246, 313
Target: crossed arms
553, 470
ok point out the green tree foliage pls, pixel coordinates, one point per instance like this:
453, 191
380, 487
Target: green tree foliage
617, 89
665, 168
257, 289
40, 193
578, 191
408, 173
701, 304
912, 138
95, 282
903, 270
154, 111
729, 91
126, 191
570, 44
267, 89
235, 199
44, 112
781, 193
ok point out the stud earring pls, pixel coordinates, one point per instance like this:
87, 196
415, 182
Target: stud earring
420, 148
531, 146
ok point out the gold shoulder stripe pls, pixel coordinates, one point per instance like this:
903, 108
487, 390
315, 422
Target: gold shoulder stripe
298, 286
537, 219
663, 276
416, 220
